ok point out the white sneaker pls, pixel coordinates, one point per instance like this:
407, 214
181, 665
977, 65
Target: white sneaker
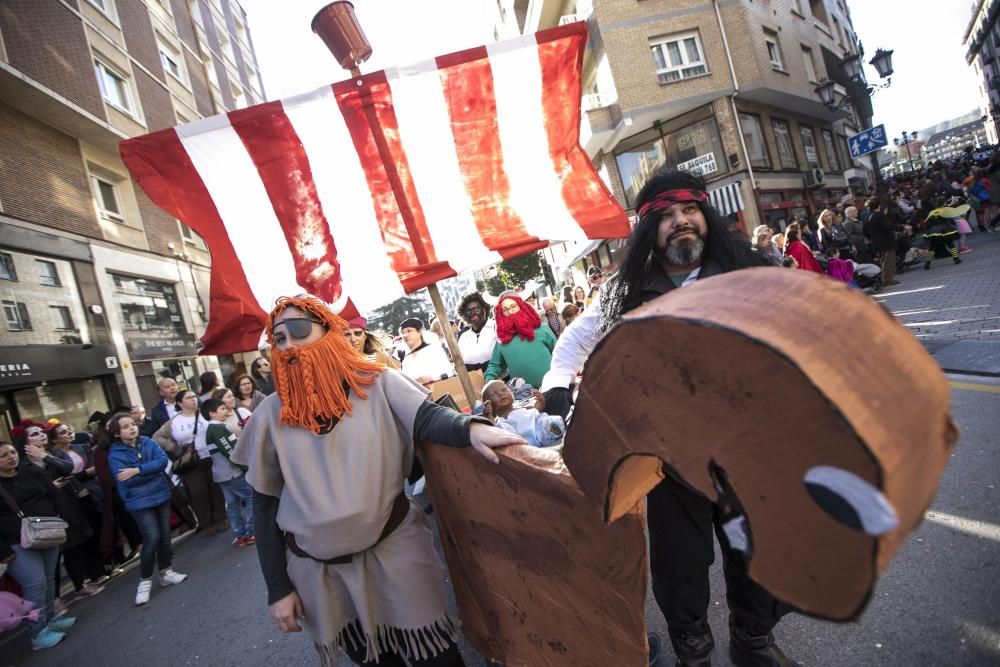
169, 577
142, 594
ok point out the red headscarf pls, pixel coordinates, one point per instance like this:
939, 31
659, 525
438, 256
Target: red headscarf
523, 322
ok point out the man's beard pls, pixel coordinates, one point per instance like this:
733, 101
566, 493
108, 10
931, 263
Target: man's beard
310, 381
688, 251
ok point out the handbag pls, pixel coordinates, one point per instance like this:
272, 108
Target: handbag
38, 532
188, 459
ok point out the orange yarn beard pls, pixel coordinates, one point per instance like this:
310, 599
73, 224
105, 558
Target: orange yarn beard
310, 380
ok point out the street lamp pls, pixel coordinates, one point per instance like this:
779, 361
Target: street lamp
859, 92
908, 137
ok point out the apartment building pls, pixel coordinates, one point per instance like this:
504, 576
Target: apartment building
953, 142
102, 292
982, 46
725, 89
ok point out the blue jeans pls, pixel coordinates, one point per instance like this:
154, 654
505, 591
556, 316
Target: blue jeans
154, 524
35, 570
239, 500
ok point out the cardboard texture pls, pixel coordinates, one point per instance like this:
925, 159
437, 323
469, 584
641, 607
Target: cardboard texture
772, 374
540, 579
453, 386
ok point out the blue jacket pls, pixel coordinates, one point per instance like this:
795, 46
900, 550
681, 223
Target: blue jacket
150, 487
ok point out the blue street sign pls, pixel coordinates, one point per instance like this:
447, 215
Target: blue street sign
867, 141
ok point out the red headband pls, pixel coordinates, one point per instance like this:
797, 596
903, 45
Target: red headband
668, 198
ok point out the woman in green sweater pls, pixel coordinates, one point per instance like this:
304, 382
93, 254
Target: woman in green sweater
524, 344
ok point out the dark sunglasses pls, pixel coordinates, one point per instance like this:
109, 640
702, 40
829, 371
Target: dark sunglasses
298, 327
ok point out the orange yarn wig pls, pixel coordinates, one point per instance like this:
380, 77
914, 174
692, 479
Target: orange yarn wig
311, 380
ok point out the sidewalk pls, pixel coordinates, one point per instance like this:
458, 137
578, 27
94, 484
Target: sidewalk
953, 309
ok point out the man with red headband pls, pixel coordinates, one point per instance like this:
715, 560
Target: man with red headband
679, 239
524, 345
343, 551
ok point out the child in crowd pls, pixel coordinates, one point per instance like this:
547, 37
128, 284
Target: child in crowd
228, 475
531, 423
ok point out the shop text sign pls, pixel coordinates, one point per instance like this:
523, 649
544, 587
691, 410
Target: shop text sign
32, 364
14, 370
700, 166
160, 344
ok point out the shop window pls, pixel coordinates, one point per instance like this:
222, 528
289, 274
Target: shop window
47, 273
114, 87
697, 149
7, 270
69, 402
108, 202
831, 151
638, 164
16, 314
783, 140
774, 50
753, 136
809, 145
678, 57
62, 318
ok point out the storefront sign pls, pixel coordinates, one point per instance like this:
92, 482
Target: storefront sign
701, 165
32, 364
160, 344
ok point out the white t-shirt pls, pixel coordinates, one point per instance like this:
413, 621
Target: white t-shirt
478, 348
429, 360
182, 431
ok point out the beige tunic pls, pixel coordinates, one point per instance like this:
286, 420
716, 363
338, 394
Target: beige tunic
335, 494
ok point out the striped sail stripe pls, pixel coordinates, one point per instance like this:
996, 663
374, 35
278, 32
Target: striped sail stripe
367, 189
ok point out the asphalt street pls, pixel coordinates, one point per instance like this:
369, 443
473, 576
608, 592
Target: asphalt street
937, 603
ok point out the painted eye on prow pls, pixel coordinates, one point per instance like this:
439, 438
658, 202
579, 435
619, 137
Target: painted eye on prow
851, 500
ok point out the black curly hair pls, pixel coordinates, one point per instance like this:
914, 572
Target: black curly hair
470, 298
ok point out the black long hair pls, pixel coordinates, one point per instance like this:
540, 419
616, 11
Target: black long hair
723, 245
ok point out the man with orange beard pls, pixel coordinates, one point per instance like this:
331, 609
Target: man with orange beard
343, 551
524, 345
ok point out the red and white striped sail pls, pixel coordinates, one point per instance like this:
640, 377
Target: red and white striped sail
370, 188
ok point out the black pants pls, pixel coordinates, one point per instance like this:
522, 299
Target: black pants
206, 496
447, 658
680, 553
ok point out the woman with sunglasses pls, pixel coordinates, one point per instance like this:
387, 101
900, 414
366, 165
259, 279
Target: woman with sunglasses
260, 371
360, 574
187, 429
246, 392
367, 344
34, 569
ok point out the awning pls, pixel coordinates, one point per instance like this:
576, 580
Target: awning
589, 248
727, 199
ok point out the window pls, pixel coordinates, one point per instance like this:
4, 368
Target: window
637, 164
17, 317
102, 5
7, 270
774, 50
753, 137
47, 273
113, 87
797, 7
679, 57
62, 318
239, 99
108, 202
831, 151
171, 59
843, 154
809, 145
783, 139
807, 59
818, 10
226, 45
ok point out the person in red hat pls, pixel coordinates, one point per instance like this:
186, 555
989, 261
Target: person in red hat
368, 344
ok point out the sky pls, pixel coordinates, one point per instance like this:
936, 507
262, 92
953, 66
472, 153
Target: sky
931, 83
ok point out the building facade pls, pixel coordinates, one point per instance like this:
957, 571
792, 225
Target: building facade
103, 293
724, 89
953, 142
982, 46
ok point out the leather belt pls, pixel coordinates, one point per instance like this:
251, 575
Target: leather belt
400, 506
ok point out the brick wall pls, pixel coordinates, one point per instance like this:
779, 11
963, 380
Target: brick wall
155, 101
139, 37
199, 85
42, 177
45, 40
182, 19
160, 227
